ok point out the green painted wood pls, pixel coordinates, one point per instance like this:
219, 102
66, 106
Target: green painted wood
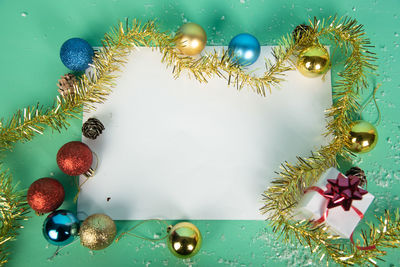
31, 35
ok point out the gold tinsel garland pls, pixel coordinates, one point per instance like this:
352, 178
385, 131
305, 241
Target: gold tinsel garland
287, 189
13, 209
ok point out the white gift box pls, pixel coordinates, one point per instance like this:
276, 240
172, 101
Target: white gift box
313, 206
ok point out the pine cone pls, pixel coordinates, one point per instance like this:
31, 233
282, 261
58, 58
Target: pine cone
66, 84
92, 128
299, 31
356, 171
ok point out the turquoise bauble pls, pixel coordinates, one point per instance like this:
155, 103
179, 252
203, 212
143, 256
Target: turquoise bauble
61, 227
76, 54
244, 49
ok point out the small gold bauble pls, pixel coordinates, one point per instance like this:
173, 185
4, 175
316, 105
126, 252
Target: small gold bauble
363, 137
97, 231
313, 61
184, 240
190, 39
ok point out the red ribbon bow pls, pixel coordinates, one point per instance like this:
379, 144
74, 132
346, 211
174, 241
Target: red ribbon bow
342, 191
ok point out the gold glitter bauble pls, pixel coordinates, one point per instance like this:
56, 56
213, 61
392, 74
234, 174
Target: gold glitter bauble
363, 137
97, 231
313, 61
190, 39
184, 240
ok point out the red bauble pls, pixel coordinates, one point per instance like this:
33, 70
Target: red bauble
74, 158
45, 195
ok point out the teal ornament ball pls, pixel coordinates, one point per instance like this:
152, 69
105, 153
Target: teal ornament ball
244, 49
76, 54
61, 227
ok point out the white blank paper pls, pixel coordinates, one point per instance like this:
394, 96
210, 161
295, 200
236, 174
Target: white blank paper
180, 149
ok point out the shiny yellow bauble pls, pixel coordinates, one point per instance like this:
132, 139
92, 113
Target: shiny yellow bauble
362, 137
190, 39
313, 61
184, 240
97, 231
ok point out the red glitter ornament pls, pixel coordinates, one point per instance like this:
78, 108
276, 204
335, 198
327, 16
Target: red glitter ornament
74, 158
45, 195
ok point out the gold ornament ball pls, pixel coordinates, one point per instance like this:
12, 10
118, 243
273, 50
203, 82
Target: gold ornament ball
313, 61
363, 137
184, 240
97, 231
190, 39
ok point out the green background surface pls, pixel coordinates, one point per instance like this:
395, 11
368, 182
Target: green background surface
31, 35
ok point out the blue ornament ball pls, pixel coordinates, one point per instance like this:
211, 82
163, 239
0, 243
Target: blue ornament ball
76, 54
244, 49
61, 227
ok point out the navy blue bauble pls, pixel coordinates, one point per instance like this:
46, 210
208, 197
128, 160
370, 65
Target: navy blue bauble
244, 49
76, 54
60, 227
